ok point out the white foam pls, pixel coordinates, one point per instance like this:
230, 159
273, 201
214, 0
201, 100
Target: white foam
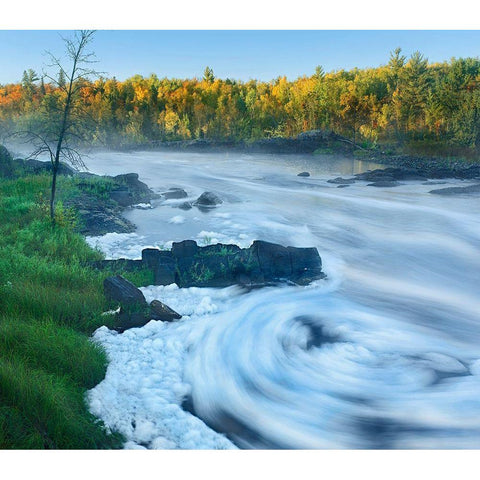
142, 392
177, 220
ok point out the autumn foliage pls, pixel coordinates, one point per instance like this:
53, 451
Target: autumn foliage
407, 102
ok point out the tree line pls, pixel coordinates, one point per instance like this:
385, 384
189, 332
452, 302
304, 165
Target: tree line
408, 102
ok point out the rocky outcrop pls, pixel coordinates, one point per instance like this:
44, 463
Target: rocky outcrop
341, 181
37, 167
129, 190
410, 167
134, 311
470, 189
220, 265
303, 174
384, 184
99, 215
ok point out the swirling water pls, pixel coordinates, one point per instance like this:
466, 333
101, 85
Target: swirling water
384, 353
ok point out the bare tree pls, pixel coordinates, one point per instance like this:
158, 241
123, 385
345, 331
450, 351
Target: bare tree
62, 115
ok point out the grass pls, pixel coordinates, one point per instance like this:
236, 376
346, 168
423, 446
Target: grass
50, 303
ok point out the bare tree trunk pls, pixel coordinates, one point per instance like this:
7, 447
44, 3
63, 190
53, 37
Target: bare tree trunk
52, 194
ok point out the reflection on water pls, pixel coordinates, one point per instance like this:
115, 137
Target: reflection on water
383, 354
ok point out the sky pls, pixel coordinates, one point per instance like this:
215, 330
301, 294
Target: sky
236, 54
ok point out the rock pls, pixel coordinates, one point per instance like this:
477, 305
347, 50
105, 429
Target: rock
160, 311
342, 186
391, 174
185, 206
341, 181
125, 320
208, 199
303, 174
384, 183
221, 265
37, 167
174, 193
120, 290
162, 263
131, 190
306, 265
274, 260
98, 217
457, 190
122, 196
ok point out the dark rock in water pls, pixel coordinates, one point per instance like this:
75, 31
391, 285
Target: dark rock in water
185, 206
174, 193
303, 174
274, 260
384, 183
341, 181
390, 174
119, 290
131, 190
262, 264
342, 186
457, 190
160, 311
220, 265
187, 248
162, 263
306, 265
208, 199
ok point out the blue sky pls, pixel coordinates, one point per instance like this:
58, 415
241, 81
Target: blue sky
239, 54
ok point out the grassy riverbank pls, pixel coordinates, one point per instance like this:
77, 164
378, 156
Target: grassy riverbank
50, 302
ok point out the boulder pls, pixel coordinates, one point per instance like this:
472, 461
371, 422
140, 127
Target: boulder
303, 174
185, 206
341, 181
118, 289
131, 190
208, 199
125, 320
174, 193
160, 311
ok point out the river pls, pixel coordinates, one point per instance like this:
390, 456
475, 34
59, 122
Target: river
384, 353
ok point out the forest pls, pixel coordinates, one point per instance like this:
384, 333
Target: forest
407, 104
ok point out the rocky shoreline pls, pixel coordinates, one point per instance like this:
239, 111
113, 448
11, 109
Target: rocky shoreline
322, 142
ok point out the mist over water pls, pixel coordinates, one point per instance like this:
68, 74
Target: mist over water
384, 353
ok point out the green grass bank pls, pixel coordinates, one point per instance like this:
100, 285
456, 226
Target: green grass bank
50, 303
